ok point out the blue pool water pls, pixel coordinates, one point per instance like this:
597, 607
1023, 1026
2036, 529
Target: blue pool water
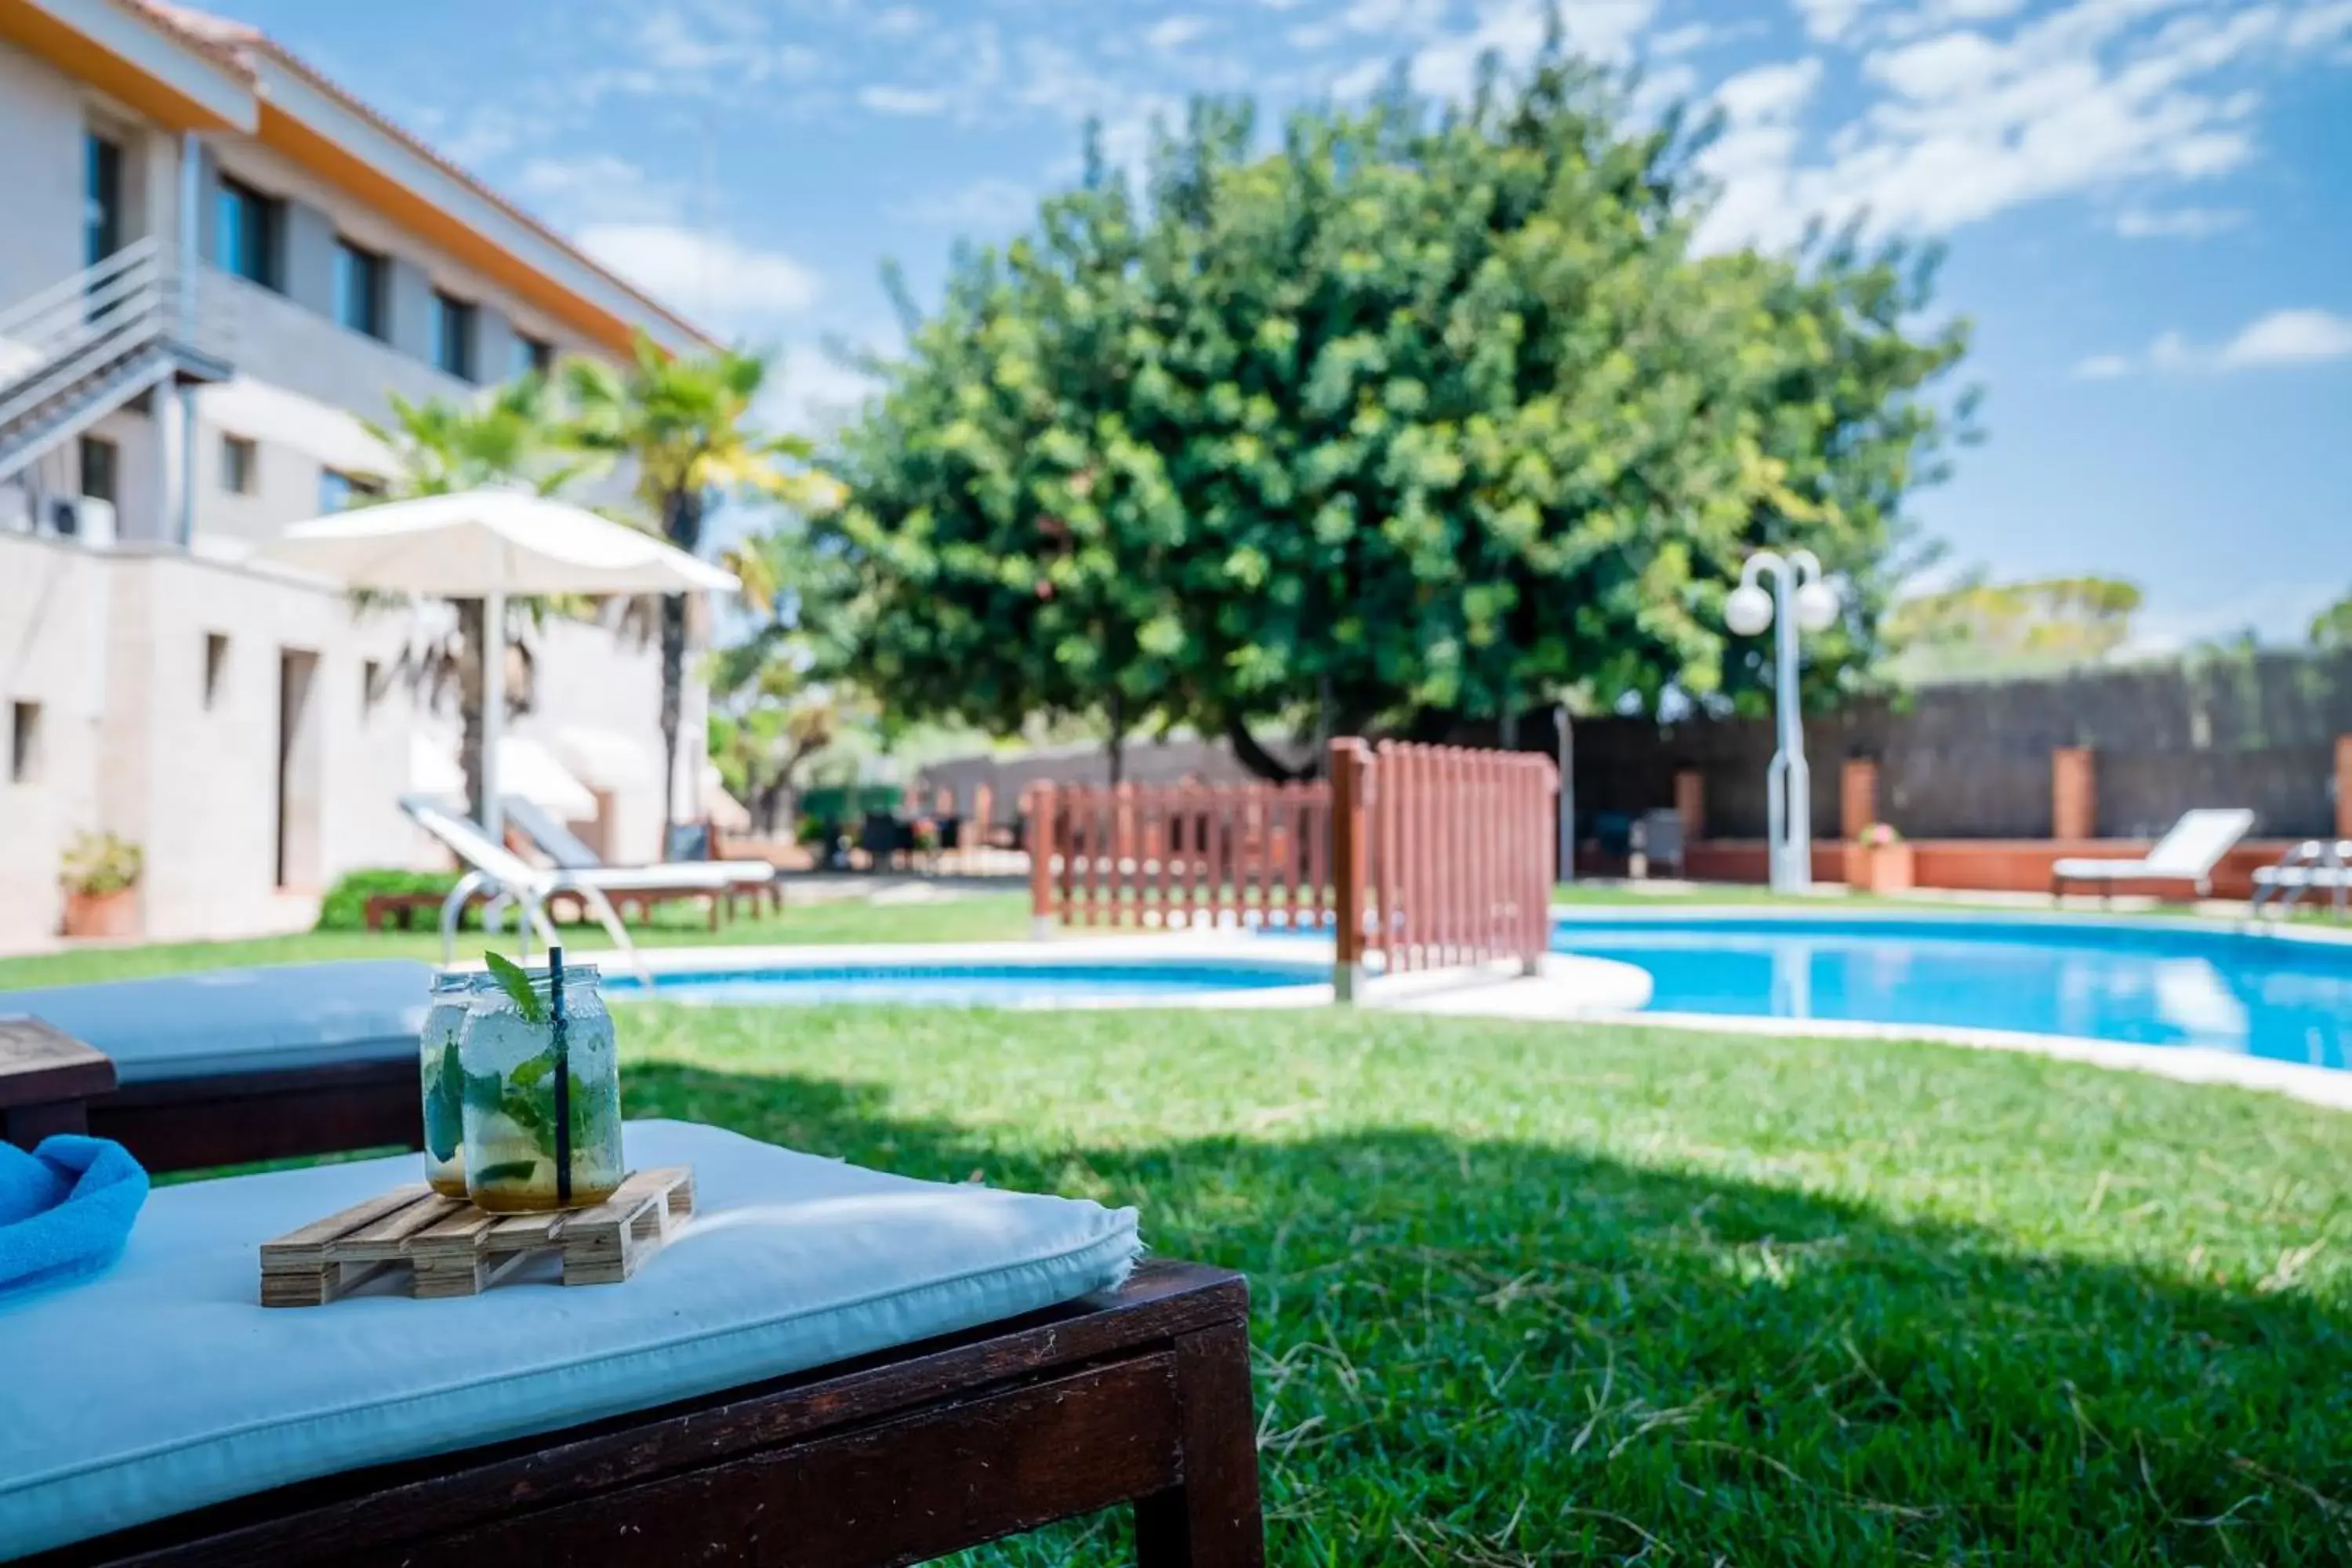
2143, 983
973, 985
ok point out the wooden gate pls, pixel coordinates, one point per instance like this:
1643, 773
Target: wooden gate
1457, 855
1432, 856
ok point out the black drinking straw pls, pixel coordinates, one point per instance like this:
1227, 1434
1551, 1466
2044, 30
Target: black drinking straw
563, 1077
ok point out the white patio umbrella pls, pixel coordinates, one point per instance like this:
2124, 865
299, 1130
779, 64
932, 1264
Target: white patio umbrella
491, 545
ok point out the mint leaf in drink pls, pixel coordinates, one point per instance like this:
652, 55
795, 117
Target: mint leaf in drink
515, 980
505, 1171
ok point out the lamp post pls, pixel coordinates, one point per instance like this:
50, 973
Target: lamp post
1800, 600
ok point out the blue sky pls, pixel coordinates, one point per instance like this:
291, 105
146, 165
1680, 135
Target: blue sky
2147, 203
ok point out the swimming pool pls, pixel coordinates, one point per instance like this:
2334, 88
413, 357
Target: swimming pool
2141, 982
974, 984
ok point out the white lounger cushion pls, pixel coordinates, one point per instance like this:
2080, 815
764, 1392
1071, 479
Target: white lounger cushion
241, 1020
163, 1386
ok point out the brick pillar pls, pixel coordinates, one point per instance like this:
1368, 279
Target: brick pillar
2344, 786
1690, 804
1857, 795
2074, 793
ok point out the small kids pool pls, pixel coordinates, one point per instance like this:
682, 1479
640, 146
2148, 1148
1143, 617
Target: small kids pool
2141, 983
975, 985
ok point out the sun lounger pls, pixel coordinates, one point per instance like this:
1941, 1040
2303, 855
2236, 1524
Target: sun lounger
195, 1070
710, 879
2313, 866
2186, 855
505, 877
828, 1365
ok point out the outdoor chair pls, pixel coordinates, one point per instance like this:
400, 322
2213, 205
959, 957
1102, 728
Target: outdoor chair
495, 872
189, 1072
2186, 855
826, 1365
883, 839
1655, 840
676, 878
2313, 866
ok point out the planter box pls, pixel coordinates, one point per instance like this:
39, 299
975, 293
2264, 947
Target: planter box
103, 914
1878, 867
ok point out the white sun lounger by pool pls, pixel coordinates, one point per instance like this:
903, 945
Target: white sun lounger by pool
563, 847
498, 871
2187, 854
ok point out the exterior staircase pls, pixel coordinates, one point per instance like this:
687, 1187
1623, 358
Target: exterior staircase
79, 350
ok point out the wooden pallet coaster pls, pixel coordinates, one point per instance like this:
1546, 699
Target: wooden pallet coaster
453, 1248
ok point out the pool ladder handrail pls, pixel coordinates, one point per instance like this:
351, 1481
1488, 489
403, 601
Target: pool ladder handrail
2326, 856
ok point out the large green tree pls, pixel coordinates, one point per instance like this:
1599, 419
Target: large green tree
1417, 417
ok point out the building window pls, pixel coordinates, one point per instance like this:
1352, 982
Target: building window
24, 741
339, 491
99, 459
532, 356
240, 465
245, 237
102, 215
453, 335
215, 665
359, 289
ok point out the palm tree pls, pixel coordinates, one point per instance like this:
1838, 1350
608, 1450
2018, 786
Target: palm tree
687, 426
443, 447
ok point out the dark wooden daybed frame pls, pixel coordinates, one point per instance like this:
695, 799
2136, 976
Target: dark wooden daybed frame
51, 1082
1136, 1396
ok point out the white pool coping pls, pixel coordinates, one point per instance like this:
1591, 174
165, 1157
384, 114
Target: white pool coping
1571, 988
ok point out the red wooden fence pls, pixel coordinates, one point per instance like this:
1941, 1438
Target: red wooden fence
1181, 855
1433, 857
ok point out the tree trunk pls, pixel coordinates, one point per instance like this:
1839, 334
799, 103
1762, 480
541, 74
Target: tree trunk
682, 523
1115, 751
471, 647
673, 675
1258, 759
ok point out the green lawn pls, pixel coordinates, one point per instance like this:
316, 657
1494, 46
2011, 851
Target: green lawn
1542, 1293
985, 917
1532, 1294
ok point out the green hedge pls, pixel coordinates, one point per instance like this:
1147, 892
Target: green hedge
345, 906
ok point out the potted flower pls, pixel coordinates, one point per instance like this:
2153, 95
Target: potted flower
1878, 861
100, 874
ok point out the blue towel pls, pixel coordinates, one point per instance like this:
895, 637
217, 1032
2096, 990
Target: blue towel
65, 1210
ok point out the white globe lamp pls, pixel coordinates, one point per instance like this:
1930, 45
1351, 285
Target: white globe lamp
1747, 610
1817, 606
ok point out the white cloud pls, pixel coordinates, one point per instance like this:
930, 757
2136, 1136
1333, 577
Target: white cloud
991, 204
706, 276
882, 98
1513, 30
1829, 20
594, 188
1683, 40
2283, 338
1175, 31
2291, 337
899, 22
1968, 123
813, 393
2176, 223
